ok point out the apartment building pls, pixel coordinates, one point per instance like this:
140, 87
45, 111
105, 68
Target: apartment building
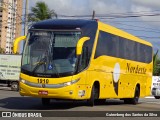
10, 23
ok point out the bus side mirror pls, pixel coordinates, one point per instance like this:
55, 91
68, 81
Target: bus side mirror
16, 43
80, 45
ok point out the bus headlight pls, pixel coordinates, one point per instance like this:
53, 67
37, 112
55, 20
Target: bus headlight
67, 83
71, 82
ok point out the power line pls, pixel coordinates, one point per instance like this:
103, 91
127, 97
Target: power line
139, 30
136, 26
137, 21
126, 16
149, 37
126, 13
111, 16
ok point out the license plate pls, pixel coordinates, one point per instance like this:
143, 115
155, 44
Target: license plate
42, 92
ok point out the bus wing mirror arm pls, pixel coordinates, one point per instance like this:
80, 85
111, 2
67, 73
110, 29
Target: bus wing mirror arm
80, 45
16, 43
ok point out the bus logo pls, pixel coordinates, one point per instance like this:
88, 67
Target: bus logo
116, 73
43, 85
116, 76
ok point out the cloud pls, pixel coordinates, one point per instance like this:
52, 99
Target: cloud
106, 6
144, 10
150, 3
81, 7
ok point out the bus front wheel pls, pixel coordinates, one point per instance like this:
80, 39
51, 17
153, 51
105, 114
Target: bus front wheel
94, 96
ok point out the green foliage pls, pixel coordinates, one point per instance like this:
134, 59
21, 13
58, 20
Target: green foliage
156, 65
41, 12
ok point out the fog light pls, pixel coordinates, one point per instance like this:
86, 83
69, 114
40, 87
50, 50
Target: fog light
81, 93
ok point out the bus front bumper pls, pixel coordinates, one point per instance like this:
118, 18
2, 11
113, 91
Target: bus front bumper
67, 92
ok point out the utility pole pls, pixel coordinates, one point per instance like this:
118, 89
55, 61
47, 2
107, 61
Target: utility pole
93, 15
26, 18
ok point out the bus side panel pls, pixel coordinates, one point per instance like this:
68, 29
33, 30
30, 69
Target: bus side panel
103, 72
106, 89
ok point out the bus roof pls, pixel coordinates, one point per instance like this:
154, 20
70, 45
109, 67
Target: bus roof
62, 24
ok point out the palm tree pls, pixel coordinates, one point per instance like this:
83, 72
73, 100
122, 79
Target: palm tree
41, 12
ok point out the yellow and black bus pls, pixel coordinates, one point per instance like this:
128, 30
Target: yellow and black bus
84, 60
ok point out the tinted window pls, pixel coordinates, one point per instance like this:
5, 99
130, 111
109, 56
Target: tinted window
115, 46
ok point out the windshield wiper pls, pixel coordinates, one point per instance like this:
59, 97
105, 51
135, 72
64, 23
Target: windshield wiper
41, 62
44, 61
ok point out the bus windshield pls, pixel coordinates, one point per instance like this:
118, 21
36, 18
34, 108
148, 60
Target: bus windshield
50, 52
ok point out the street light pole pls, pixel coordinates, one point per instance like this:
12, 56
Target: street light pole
26, 18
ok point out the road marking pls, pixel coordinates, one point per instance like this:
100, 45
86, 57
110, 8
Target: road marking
154, 102
3, 87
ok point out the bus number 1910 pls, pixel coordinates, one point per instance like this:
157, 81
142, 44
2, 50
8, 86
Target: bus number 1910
43, 81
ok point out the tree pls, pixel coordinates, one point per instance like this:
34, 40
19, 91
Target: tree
156, 65
41, 12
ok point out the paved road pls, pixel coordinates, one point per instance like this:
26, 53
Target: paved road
12, 101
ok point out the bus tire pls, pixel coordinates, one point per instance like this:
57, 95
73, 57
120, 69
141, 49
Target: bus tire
100, 101
127, 101
91, 101
14, 86
45, 101
157, 97
133, 100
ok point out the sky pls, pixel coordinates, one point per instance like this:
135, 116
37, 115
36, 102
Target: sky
119, 13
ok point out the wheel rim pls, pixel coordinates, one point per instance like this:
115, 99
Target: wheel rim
14, 86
